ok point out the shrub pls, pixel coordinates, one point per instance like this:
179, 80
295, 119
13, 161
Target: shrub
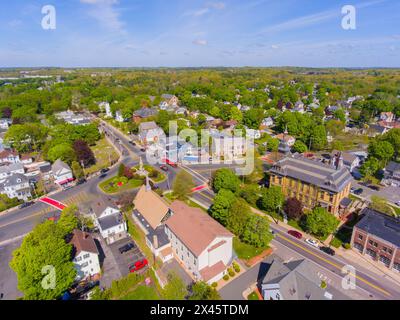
236, 268
336, 242
347, 246
226, 277
323, 284
214, 284
231, 273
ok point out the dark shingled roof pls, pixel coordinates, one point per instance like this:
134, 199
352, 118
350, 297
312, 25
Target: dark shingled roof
313, 172
110, 221
392, 167
380, 225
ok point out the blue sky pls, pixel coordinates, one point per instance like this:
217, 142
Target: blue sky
179, 33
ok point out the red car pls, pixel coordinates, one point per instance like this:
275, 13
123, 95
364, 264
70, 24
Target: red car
295, 234
138, 265
164, 167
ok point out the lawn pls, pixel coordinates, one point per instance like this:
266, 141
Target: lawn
160, 176
142, 292
351, 141
246, 251
112, 185
252, 296
103, 152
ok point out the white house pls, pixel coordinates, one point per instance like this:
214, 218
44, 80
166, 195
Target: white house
85, 255
105, 106
5, 123
267, 122
109, 221
228, 146
8, 156
62, 173
290, 140
16, 186
119, 117
150, 132
386, 116
199, 242
255, 134
8, 170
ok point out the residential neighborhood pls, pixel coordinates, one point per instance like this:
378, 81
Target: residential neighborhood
180, 162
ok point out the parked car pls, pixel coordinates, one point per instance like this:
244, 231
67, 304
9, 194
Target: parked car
127, 247
312, 242
104, 170
358, 191
143, 149
132, 143
81, 181
26, 204
138, 265
376, 188
295, 234
103, 176
328, 250
164, 167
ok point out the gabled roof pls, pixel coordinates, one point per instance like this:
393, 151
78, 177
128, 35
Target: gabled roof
100, 205
11, 167
59, 165
83, 241
145, 112
151, 206
195, 228
392, 166
7, 153
16, 179
148, 126
111, 220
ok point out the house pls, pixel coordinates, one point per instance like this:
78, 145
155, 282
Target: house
181, 110
85, 255
199, 242
254, 134
290, 140
110, 221
312, 182
227, 145
267, 122
9, 156
150, 132
16, 186
377, 236
8, 170
350, 161
26, 159
105, 106
392, 174
390, 125
295, 280
118, 116
299, 107
387, 116
143, 113
73, 118
150, 214
375, 130
61, 172
45, 171
5, 123
169, 100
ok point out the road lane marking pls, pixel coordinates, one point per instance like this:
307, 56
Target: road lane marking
334, 265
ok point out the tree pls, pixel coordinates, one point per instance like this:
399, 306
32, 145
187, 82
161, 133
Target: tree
221, 206
62, 151
6, 112
121, 170
250, 193
77, 170
83, 152
225, 179
183, 185
340, 115
128, 173
175, 289
26, 137
238, 214
202, 291
320, 222
370, 167
44, 254
273, 145
299, 147
257, 232
294, 208
381, 150
380, 204
318, 137
271, 199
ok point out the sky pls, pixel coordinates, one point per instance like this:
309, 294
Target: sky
194, 33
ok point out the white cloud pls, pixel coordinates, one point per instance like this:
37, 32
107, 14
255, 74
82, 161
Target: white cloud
216, 5
274, 46
200, 42
105, 13
207, 8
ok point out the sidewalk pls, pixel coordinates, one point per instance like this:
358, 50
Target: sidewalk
350, 254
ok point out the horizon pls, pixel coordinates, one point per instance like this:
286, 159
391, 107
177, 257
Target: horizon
200, 34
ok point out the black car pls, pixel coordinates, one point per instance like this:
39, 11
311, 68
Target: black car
132, 143
376, 188
104, 170
328, 250
81, 181
127, 247
358, 191
103, 176
26, 204
143, 149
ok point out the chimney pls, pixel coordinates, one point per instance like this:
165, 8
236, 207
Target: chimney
339, 161
155, 241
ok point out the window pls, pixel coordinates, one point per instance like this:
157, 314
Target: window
85, 256
396, 266
384, 260
360, 237
371, 253
84, 265
358, 246
77, 259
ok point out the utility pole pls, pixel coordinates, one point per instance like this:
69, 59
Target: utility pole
83, 169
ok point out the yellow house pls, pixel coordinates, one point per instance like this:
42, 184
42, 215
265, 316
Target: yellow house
313, 183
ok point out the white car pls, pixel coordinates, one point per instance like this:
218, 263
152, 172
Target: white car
312, 242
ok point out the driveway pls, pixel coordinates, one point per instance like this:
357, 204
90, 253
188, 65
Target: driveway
173, 266
392, 194
8, 278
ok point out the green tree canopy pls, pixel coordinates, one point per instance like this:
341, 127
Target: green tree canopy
63, 151
225, 179
202, 291
272, 199
183, 185
320, 222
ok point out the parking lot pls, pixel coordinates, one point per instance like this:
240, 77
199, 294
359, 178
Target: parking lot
126, 259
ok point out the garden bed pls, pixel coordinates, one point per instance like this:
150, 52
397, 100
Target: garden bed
155, 175
119, 184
